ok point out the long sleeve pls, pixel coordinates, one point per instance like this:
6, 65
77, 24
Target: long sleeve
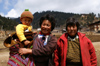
20, 31
57, 55
47, 49
93, 57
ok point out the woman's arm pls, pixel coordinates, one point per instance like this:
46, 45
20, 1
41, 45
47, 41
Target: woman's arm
41, 51
57, 55
93, 57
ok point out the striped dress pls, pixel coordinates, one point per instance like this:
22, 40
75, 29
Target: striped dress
16, 60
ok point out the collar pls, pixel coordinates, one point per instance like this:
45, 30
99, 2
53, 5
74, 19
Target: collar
64, 36
43, 34
73, 39
40, 36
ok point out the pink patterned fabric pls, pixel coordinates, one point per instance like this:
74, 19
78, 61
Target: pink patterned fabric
16, 60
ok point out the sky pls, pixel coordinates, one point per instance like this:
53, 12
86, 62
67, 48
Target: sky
14, 8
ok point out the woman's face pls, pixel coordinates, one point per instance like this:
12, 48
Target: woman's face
72, 30
46, 27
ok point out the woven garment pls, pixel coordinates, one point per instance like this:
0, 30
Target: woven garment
40, 41
16, 60
73, 52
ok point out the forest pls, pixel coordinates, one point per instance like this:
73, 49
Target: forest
84, 19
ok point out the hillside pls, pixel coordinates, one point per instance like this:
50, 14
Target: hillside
84, 19
7, 23
59, 16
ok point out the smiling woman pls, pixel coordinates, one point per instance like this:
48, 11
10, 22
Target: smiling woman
44, 43
46, 27
74, 48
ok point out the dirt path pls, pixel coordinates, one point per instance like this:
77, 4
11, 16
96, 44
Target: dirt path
4, 54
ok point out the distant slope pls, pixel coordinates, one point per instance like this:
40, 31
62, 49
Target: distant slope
7, 23
59, 16
84, 19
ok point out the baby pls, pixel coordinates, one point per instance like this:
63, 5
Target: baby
26, 19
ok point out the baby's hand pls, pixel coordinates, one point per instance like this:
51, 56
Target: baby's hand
26, 42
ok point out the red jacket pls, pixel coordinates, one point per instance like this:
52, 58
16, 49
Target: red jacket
87, 51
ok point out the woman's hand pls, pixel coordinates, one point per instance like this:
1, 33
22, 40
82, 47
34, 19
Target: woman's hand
25, 51
26, 42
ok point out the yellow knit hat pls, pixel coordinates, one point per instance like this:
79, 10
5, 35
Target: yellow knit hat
26, 13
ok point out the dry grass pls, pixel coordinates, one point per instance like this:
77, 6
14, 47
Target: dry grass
4, 54
94, 38
1, 44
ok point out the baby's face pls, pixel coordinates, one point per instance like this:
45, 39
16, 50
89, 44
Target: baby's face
26, 21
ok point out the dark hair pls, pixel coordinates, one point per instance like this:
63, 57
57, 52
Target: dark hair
72, 21
50, 18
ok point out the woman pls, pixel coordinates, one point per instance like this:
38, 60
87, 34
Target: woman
44, 43
74, 48
21, 40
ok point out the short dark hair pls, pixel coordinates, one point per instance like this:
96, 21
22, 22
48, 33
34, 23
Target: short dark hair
72, 21
50, 18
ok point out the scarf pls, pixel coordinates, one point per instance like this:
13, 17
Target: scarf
41, 40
